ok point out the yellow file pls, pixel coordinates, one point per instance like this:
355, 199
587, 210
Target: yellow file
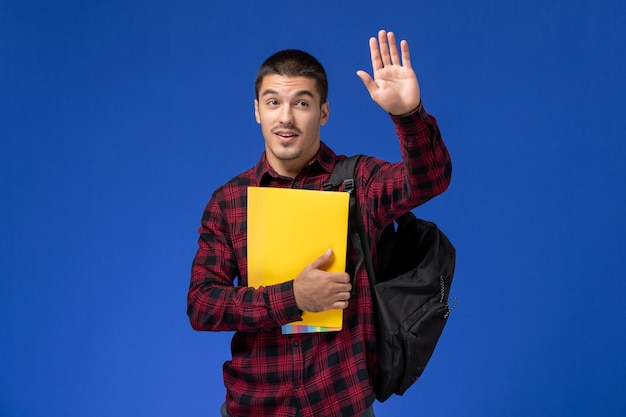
288, 229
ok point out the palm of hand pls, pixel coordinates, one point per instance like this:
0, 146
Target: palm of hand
396, 89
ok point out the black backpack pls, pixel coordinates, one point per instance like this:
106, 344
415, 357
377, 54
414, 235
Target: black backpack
410, 288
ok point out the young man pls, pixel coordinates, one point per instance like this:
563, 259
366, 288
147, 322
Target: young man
311, 374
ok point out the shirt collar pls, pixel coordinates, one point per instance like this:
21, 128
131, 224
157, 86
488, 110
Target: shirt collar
324, 159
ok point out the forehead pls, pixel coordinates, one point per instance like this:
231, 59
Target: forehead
288, 86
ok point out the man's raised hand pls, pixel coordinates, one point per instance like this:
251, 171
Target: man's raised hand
394, 85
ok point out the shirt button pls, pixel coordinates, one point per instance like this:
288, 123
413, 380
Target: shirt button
295, 344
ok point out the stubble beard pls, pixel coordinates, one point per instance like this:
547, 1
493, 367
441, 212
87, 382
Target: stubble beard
288, 151
284, 153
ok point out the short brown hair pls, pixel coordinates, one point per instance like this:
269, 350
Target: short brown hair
294, 63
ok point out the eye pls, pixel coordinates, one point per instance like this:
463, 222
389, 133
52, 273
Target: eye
271, 102
302, 103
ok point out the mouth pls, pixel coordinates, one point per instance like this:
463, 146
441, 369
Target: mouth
286, 135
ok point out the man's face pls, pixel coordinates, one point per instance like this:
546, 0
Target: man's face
290, 114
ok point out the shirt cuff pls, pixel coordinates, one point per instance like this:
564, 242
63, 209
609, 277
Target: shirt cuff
413, 123
418, 113
283, 303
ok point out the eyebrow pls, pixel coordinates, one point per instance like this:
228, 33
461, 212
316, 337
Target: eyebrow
298, 93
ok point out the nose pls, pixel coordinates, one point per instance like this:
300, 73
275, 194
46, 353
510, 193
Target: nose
286, 115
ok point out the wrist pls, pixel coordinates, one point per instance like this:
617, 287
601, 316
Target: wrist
419, 109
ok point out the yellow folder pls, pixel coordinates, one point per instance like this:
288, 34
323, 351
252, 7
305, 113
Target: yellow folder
288, 229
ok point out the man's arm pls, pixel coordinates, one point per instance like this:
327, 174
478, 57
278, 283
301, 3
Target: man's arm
425, 171
214, 302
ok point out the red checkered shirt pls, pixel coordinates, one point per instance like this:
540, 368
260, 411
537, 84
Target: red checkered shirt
319, 374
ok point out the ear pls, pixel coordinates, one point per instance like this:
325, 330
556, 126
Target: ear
256, 111
324, 113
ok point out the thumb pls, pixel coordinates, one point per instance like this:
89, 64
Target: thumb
322, 260
367, 79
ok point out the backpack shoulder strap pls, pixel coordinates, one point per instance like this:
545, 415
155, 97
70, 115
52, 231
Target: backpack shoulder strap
343, 173
344, 170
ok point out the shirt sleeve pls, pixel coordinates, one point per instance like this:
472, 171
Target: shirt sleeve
391, 189
214, 302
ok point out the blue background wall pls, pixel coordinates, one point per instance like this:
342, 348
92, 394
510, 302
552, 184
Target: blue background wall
118, 119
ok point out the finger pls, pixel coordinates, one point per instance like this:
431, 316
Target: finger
342, 278
393, 49
367, 80
340, 305
346, 290
377, 63
343, 296
322, 260
406, 56
384, 48
341, 288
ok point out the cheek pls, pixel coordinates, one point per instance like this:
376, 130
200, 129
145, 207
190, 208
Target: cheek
313, 124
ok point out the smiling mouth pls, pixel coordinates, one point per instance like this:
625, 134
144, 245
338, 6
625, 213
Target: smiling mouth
286, 134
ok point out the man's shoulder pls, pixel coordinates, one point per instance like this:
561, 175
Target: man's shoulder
243, 179
236, 185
